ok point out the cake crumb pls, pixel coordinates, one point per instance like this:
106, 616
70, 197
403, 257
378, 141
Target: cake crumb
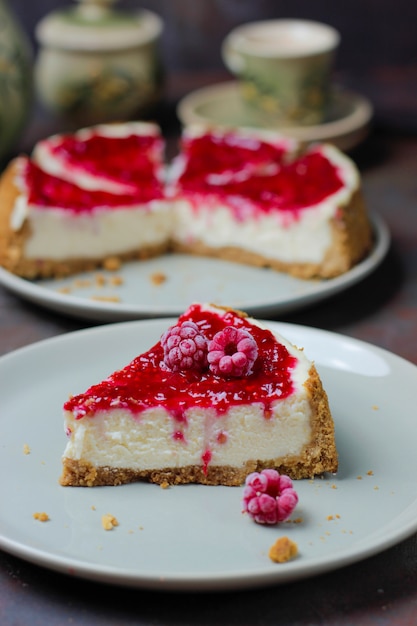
164, 485
101, 280
41, 517
283, 550
116, 281
158, 278
82, 283
26, 448
108, 521
370, 473
112, 263
106, 298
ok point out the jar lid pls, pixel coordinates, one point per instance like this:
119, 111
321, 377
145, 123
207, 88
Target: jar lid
94, 26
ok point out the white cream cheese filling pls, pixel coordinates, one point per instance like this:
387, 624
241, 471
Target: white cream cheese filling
58, 234
147, 441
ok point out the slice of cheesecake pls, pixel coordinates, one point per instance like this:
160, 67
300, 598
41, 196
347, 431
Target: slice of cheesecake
217, 397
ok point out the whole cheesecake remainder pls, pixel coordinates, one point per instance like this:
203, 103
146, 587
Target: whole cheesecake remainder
85, 199
257, 199
217, 397
252, 197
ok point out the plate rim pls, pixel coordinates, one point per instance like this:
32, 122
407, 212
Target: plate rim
84, 308
212, 581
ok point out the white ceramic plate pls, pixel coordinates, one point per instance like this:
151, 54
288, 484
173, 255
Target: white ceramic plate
260, 292
347, 122
195, 537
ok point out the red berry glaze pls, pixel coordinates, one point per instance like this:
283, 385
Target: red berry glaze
145, 383
133, 160
256, 178
130, 159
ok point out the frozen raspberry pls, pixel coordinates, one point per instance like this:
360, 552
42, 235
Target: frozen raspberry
232, 352
185, 347
268, 497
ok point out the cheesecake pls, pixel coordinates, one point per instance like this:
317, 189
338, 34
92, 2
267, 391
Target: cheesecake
217, 397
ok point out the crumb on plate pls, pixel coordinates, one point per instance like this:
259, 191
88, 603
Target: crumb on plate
158, 278
283, 550
108, 521
116, 281
41, 517
106, 298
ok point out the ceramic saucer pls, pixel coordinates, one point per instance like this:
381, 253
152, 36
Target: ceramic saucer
346, 125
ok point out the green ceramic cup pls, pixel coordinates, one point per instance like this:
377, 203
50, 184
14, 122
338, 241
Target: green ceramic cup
284, 69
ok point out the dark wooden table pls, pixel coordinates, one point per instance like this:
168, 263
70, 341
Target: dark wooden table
381, 310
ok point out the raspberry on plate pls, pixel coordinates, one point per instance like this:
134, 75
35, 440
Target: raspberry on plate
269, 497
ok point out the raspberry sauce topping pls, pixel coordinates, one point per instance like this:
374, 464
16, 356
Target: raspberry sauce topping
130, 159
147, 382
269, 497
279, 185
49, 191
226, 154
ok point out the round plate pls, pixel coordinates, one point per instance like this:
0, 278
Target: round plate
95, 296
194, 537
346, 124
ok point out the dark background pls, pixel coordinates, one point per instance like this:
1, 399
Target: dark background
374, 32
377, 56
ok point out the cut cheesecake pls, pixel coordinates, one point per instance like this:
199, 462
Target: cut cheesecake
118, 158
217, 397
250, 197
103, 195
84, 200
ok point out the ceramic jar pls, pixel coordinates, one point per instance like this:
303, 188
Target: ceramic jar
15, 80
97, 64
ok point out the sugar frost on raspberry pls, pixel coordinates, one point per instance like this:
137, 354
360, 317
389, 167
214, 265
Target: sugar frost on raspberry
185, 347
269, 497
232, 352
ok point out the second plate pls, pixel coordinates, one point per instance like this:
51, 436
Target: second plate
165, 286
